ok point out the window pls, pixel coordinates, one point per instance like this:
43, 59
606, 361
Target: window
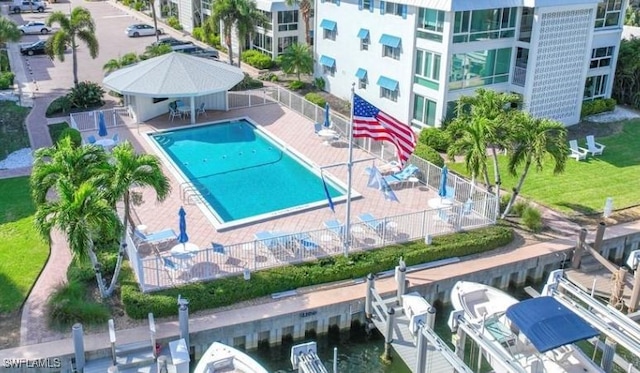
159, 99
392, 52
329, 34
601, 57
424, 110
389, 94
285, 42
595, 87
388, 88
608, 13
365, 5
430, 24
263, 43
268, 25
393, 8
328, 70
484, 24
526, 24
427, 72
288, 20
362, 82
364, 43
475, 69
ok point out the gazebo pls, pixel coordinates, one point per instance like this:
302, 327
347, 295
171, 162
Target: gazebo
149, 86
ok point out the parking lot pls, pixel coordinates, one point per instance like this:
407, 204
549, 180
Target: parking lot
55, 76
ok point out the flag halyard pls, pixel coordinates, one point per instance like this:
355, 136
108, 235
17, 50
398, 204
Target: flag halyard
326, 192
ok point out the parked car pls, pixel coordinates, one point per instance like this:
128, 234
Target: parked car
28, 6
195, 50
141, 29
172, 42
34, 28
36, 48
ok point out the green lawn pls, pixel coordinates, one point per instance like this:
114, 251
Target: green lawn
584, 186
22, 251
13, 132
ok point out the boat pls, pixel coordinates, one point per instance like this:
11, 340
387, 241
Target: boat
222, 358
538, 333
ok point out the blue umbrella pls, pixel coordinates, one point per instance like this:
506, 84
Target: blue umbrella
327, 122
102, 125
183, 238
442, 191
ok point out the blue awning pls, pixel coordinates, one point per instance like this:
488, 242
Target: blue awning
548, 324
328, 25
363, 33
388, 83
361, 73
327, 61
390, 41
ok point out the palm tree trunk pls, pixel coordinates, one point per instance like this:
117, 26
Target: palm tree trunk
96, 267
305, 18
227, 40
496, 175
485, 173
123, 242
239, 49
75, 61
155, 20
517, 189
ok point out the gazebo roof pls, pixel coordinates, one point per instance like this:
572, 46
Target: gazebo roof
174, 75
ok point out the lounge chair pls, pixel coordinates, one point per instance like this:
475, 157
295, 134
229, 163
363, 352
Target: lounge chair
218, 248
336, 227
594, 147
377, 225
273, 239
317, 127
306, 242
402, 176
201, 110
91, 139
174, 267
577, 152
156, 237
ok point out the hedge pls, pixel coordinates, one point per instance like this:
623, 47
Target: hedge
428, 154
597, 106
435, 138
257, 59
6, 79
316, 99
231, 290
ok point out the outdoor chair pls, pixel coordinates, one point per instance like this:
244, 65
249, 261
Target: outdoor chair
174, 267
173, 113
577, 152
336, 227
594, 147
272, 240
154, 238
91, 139
201, 110
402, 176
317, 127
376, 225
306, 242
116, 139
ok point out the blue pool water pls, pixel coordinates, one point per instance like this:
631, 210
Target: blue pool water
241, 172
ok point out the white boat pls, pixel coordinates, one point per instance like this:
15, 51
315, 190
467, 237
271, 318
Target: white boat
222, 358
538, 333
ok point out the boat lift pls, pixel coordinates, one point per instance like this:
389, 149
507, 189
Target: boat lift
304, 358
608, 320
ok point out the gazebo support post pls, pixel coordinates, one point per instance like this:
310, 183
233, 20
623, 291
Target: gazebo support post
193, 110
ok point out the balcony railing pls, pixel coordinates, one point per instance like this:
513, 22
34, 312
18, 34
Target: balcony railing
519, 76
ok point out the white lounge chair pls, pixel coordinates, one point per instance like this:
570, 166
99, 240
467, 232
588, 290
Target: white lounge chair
376, 225
577, 152
201, 110
156, 237
594, 147
336, 227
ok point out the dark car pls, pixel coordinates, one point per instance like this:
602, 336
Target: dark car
36, 48
172, 42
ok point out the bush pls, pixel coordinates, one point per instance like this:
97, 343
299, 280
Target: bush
56, 129
138, 5
272, 77
597, 106
519, 207
6, 79
428, 154
248, 83
174, 23
68, 305
4, 61
296, 85
319, 83
504, 201
232, 290
532, 218
215, 41
257, 59
60, 105
435, 138
316, 99
199, 34
74, 134
86, 95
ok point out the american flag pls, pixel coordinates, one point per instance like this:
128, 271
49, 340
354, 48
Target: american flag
369, 121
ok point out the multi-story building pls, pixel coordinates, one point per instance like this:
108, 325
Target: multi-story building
414, 58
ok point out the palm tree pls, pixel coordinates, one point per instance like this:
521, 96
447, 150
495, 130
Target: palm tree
8, 31
225, 11
305, 7
248, 19
78, 25
535, 140
127, 170
471, 141
155, 50
116, 64
80, 212
297, 59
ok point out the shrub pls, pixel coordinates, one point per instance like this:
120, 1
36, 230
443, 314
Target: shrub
316, 99
60, 105
428, 154
319, 83
68, 305
6, 79
86, 95
519, 207
504, 201
138, 5
248, 83
272, 77
257, 59
232, 290
4, 61
55, 130
296, 85
214, 40
532, 218
74, 134
174, 23
435, 138
127, 3
597, 106
199, 34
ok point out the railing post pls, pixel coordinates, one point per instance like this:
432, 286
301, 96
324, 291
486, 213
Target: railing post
112, 340
431, 317
368, 303
152, 331
401, 273
577, 252
183, 319
78, 346
421, 348
388, 337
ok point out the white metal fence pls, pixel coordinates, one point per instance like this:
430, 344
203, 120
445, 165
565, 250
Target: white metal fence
88, 120
470, 207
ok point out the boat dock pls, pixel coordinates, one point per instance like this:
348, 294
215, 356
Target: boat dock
304, 358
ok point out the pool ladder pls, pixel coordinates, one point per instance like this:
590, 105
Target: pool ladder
190, 194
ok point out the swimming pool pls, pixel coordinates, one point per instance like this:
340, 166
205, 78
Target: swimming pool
242, 173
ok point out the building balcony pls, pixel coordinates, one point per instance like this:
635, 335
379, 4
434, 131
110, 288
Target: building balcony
519, 76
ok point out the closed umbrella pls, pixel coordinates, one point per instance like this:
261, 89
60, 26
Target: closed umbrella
442, 190
327, 122
102, 125
182, 237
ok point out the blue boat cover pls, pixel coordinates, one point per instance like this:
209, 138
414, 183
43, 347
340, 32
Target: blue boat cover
548, 324
328, 25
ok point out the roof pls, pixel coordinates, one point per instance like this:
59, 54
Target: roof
548, 324
174, 75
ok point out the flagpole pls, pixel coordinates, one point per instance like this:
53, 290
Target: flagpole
347, 219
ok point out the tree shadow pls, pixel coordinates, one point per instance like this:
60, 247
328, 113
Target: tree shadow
579, 209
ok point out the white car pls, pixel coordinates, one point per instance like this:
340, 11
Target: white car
142, 29
28, 6
34, 28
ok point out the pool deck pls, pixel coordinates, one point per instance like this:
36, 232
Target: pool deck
298, 133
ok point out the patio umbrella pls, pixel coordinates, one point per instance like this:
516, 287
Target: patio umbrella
327, 122
442, 190
102, 125
182, 237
